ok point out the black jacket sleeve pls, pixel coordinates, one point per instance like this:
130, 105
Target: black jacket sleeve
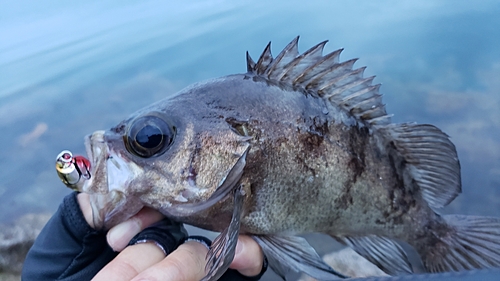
67, 247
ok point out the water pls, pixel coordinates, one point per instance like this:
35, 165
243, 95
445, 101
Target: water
69, 69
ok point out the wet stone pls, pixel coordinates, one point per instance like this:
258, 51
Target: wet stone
15, 241
348, 262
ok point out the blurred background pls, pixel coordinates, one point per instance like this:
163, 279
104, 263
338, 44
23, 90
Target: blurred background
69, 68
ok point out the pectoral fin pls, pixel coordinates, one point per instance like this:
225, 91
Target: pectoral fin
221, 252
231, 180
292, 253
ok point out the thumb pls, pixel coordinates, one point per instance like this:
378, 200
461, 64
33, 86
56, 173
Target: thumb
248, 256
119, 235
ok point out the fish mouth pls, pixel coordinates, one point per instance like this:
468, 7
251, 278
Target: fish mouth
89, 145
110, 176
97, 152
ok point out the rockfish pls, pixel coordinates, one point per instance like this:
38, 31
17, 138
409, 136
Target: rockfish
299, 143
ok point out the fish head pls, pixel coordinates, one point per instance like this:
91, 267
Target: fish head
174, 156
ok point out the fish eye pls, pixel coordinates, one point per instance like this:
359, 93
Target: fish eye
149, 136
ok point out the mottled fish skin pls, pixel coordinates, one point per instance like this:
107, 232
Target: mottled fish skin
308, 143
295, 144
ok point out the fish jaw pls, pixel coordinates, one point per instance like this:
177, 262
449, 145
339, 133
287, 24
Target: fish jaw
112, 174
96, 148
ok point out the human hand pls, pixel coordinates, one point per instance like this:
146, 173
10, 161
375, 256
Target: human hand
148, 261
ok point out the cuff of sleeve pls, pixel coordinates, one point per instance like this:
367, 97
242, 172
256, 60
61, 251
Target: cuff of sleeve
73, 218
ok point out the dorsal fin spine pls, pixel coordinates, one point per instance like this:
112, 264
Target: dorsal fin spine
339, 89
314, 53
265, 59
380, 121
364, 105
349, 100
250, 63
361, 93
372, 113
346, 78
289, 51
323, 76
322, 64
326, 75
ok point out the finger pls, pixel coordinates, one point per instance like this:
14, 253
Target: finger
248, 256
130, 262
187, 263
119, 235
84, 202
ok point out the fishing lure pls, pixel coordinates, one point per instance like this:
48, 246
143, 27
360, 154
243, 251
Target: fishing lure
72, 170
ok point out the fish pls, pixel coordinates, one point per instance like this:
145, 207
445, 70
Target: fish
299, 143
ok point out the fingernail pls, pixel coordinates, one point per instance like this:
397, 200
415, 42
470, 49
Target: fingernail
121, 234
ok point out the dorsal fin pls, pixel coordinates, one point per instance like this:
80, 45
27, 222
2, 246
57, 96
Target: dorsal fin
250, 63
324, 76
431, 159
264, 61
284, 58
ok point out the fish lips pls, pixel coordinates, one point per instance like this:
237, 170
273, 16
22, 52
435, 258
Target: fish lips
110, 175
110, 170
95, 146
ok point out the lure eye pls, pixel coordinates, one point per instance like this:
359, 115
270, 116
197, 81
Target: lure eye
149, 136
